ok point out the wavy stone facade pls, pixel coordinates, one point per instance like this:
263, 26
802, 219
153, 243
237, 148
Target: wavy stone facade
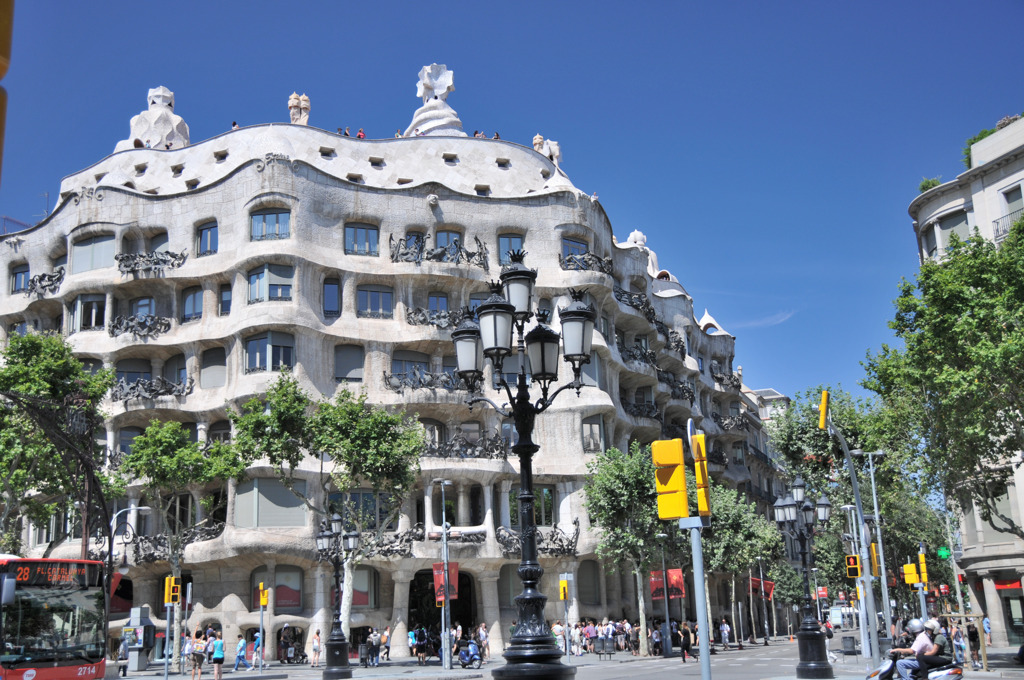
198, 272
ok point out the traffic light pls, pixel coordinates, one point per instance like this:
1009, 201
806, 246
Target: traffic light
700, 463
823, 410
924, 568
875, 569
910, 574
670, 478
172, 590
853, 566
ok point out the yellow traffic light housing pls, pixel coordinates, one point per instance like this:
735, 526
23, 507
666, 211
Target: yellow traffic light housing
823, 410
670, 478
910, 574
923, 571
172, 590
875, 568
700, 463
853, 566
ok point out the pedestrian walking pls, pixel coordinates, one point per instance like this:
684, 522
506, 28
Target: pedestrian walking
240, 654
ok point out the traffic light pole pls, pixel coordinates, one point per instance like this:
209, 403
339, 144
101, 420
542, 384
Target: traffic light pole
881, 550
168, 640
869, 593
694, 524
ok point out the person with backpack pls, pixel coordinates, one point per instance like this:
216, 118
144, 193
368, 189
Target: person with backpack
421, 646
374, 648
198, 651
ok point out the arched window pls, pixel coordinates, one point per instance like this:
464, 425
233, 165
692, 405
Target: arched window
219, 432
94, 252
191, 304
269, 224
365, 588
433, 432
206, 239
287, 587
588, 578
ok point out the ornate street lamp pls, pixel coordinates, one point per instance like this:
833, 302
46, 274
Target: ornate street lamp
332, 543
797, 517
532, 651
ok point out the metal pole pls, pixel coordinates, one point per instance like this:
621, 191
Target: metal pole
869, 595
446, 653
263, 643
817, 600
168, 641
922, 586
764, 607
886, 607
700, 594
666, 631
959, 595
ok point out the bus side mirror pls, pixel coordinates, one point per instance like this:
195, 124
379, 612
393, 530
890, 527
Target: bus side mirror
6, 589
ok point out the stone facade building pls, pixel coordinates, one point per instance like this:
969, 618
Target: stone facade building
197, 272
987, 198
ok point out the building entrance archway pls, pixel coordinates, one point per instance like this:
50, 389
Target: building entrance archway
424, 611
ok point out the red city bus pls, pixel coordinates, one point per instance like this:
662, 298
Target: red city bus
52, 619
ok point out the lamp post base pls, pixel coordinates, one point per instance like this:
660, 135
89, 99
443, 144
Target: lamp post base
538, 660
813, 652
336, 658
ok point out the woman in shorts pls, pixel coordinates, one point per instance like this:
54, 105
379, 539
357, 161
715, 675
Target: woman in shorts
198, 654
218, 657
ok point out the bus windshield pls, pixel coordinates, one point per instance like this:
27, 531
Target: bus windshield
53, 625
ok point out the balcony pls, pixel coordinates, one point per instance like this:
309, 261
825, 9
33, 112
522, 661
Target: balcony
1001, 227
139, 325
585, 262
150, 389
460, 446
421, 379
415, 250
133, 263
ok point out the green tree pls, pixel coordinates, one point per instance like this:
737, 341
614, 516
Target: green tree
789, 589
621, 501
955, 385
358, 446
167, 463
50, 409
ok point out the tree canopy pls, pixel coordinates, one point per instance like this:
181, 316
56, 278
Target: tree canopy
956, 387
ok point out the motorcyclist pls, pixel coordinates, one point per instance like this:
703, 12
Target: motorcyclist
922, 643
933, 657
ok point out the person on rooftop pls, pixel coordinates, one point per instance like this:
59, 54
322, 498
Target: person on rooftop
360, 134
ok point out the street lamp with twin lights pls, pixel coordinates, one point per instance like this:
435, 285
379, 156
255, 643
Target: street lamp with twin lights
333, 543
796, 517
532, 650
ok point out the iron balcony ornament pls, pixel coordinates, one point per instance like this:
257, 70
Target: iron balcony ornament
399, 544
555, 542
729, 422
150, 389
41, 284
586, 262
139, 325
637, 301
132, 263
413, 248
638, 354
421, 379
149, 549
459, 446
679, 390
642, 409
440, 318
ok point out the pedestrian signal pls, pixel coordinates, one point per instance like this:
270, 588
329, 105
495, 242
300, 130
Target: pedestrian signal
172, 590
853, 566
823, 410
563, 590
670, 479
700, 463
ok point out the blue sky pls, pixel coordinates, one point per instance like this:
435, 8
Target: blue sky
768, 150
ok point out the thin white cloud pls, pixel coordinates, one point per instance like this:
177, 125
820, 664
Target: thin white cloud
765, 322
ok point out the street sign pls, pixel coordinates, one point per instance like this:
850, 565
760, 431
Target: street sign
943, 553
563, 590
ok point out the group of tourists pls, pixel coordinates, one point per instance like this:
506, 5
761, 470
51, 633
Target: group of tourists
205, 646
425, 643
583, 636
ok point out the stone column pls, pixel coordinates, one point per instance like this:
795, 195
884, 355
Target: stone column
428, 508
197, 497
400, 615
613, 597
994, 610
202, 432
110, 310
602, 586
491, 613
462, 506
488, 492
504, 514
574, 592
270, 641
112, 443
563, 498
323, 612
156, 367
229, 519
406, 515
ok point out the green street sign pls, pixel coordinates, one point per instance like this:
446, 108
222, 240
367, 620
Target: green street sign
943, 553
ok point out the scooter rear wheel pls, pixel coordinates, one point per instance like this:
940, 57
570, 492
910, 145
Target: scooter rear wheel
476, 663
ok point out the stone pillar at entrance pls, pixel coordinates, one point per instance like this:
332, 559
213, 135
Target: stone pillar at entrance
428, 512
400, 615
504, 511
323, 611
488, 491
491, 614
994, 610
462, 510
574, 592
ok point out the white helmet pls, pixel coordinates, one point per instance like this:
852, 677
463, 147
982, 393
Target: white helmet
915, 626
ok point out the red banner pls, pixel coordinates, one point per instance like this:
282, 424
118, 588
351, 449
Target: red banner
657, 585
822, 592
453, 581
765, 587
676, 587
1008, 585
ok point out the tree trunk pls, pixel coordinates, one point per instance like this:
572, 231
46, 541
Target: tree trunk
642, 607
707, 606
750, 599
346, 598
737, 629
775, 617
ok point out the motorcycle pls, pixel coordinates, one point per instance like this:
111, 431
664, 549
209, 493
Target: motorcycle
469, 654
885, 671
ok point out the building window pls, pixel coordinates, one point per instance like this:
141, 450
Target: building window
510, 371
543, 506
332, 298
437, 302
642, 342
593, 434
268, 225
133, 370
271, 282
471, 430
572, 247
175, 369
955, 224
509, 432
89, 312
447, 239
274, 350
220, 431
348, 363
191, 304
593, 373
700, 363
588, 577
365, 587
928, 241
91, 253
375, 302
224, 300
265, 502
207, 239
369, 508
477, 299
18, 328
158, 243
126, 437
405, 361
19, 279
509, 586
143, 306
644, 395
213, 370
361, 239
506, 244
